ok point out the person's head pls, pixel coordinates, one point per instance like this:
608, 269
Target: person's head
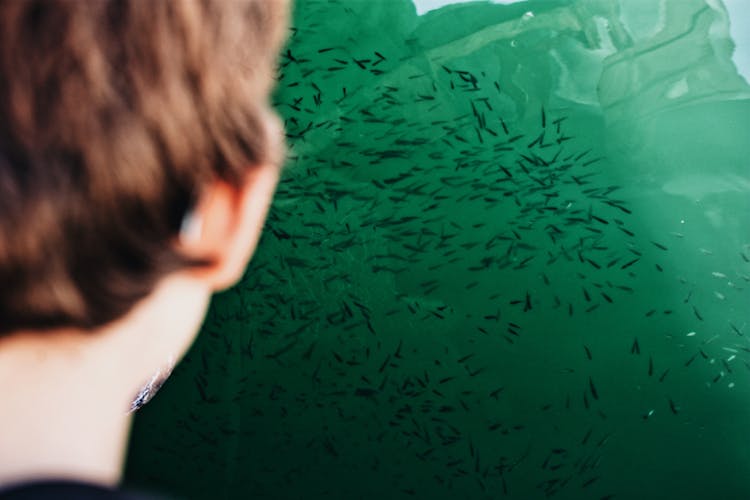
138, 156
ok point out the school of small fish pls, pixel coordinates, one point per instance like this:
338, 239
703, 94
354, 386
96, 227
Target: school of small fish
451, 299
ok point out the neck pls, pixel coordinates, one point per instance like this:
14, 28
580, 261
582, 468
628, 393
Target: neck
63, 414
66, 394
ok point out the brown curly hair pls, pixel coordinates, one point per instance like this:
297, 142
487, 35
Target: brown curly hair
113, 115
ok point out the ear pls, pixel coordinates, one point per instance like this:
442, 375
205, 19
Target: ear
226, 226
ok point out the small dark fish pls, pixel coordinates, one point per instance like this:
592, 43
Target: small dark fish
630, 263
505, 127
692, 358
599, 219
586, 164
308, 352
466, 358
385, 363
589, 482
397, 354
603, 440
588, 352
618, 206
366, 392
726, 366
697, 314
536, 141
592, 387
613, 262
635, 349
587, 436
594, 264
675, 409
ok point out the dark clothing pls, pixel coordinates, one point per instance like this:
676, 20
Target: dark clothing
68, 490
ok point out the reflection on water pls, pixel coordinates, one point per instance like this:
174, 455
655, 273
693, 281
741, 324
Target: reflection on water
424, 6
510, 257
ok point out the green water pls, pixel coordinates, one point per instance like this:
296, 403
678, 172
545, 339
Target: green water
509, 258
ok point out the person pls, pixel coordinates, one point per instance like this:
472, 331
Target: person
139, 154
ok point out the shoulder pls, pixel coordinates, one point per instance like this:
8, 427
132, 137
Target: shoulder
58, 489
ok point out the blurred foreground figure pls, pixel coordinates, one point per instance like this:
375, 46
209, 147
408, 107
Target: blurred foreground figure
138, 157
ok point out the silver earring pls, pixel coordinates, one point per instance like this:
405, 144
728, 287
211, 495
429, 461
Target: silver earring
190, 228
